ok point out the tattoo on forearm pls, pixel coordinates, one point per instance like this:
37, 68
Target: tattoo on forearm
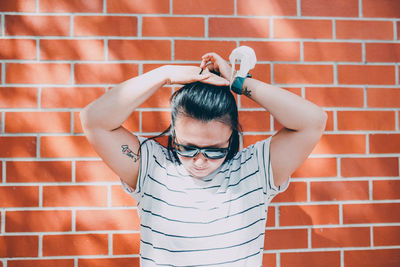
127, 151
246, 92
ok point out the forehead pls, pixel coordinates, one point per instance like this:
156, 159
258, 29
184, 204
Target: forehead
195, 132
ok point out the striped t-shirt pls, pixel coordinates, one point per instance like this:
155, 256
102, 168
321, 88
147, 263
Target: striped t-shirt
218, 220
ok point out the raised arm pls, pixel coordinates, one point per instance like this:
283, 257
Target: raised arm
303, 121
102, 119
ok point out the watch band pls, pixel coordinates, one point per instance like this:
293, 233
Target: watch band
237, 85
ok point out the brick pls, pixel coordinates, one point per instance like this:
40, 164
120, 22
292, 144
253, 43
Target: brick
364, 30
39, 221
132, 123
126, 244
314, 258
38, 73
386, 235
239, 27
160, 99
340, 237
317, 167
173, 26
109, 262
19, 246
297, 73
366, 74
71, 49
308, 215
19, 196
69, 97
339, 191
65, 146
275, 51
384, 143
139, 50
336, 96
41, 263
21, 146
37, 122
359, 167
254, 121
285, 239
262, 72
341, 144
302, 28
37, 25
371, 213
380, 52
105, 26
332, 51
74, 196
381, 9
73, 6
18, 6
77, 123
271, 217
206, 7
383, 97
297, 192
372, 257
251, 139
100, 220
138, 6
94, 171
366, 120
386, 189
65, 245
18, 97
326, 8
155, 121
120, 198
266, 8
38, 171
194, 50
107, 73
17, 49
269, 259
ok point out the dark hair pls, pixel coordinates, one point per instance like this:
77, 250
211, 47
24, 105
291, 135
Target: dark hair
205, 102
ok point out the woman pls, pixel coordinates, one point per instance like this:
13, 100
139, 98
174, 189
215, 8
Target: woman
202, 202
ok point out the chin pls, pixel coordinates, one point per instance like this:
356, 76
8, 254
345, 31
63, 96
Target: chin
200, 173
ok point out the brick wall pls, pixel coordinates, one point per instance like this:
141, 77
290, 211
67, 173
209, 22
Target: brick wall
61, 206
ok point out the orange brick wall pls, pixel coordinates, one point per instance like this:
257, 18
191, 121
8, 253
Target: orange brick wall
61, 206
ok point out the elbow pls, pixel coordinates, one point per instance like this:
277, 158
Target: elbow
321, 119
83, 116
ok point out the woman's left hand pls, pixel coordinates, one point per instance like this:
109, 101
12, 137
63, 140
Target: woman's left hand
187, 74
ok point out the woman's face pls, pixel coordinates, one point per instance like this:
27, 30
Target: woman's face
193, 132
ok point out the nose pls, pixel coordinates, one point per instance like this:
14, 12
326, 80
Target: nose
199, 159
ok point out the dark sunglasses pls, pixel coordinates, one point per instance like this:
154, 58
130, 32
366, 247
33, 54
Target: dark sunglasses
208, 152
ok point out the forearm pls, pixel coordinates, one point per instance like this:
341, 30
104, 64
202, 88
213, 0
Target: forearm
292, 111
113, 108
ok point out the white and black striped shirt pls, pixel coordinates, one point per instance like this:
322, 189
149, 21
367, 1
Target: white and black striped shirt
218, 220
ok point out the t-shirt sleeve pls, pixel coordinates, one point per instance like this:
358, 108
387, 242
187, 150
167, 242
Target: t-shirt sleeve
147, 150
262, 149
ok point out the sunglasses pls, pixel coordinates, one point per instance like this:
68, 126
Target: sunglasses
192, 151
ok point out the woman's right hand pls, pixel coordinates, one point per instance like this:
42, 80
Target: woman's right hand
187, 74
214, 62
